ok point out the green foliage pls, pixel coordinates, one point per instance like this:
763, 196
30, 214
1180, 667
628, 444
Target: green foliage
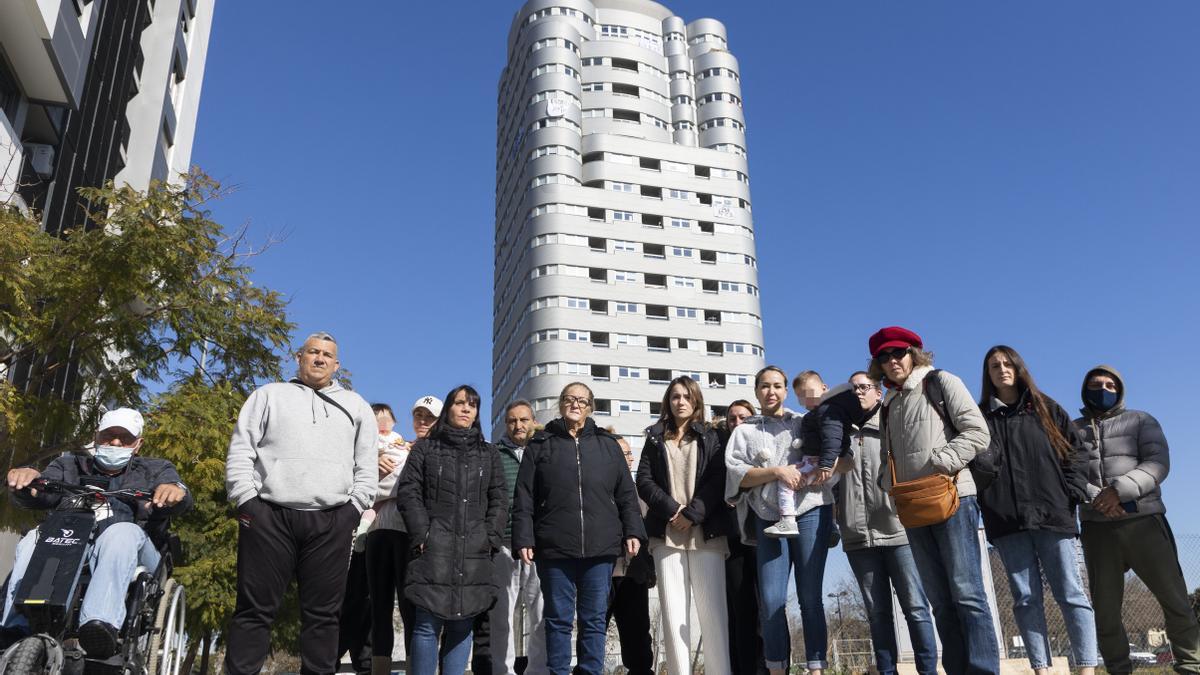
156, 292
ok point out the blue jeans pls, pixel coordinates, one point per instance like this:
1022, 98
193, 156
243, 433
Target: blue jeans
455, 632
878, 570
1027, 556
804, 556
113, 559
948, 558
573, 586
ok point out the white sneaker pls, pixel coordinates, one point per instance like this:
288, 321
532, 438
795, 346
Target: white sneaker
786, 527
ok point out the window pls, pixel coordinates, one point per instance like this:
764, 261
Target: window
610, 31
625, 64
660, 375
731, 287
594, 61
656, 311
654, 250
626, 277
679, 194
681, 223
655, 280
577, 303
575, 335
676, 166
629, 373
651, 220
649, 164
682, 99
553, 179
625, 89
685, 312
626, 115
592, 86
622, 216
621, 187
658, 344
589, 113
738, 379
627, 307
555, 94
680, 252
597, 243
684, 125
631, 406
683, 282
545, 150
624, 246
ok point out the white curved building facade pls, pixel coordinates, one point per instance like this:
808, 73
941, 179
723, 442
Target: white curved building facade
624, 249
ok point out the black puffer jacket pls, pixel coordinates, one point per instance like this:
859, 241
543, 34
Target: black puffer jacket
575, 497
707, 507
454, 501
1030, 488
825, 432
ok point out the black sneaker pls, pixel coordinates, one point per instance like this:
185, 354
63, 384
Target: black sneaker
98, 639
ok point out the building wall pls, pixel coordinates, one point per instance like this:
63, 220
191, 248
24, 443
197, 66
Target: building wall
624, 251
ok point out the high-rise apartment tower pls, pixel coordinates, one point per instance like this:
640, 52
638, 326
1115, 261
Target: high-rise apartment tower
624, 241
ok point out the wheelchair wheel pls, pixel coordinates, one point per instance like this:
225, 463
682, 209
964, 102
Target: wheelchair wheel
167, 647
31, 656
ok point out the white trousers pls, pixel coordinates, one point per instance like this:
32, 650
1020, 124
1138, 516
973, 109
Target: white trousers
520, 597
691, 590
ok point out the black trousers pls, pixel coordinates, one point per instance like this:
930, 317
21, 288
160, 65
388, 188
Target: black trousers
481, 645
741, 599
354, 626
387, 565
276, 544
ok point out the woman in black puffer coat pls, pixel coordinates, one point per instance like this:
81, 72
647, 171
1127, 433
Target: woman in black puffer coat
454, 500
1033, 474
574, 511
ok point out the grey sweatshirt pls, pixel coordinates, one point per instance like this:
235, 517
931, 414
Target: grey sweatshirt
294, 449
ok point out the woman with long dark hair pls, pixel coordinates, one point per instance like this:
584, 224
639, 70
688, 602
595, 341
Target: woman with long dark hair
681, 477
1036, 471
758, 458
454, 502
574, 512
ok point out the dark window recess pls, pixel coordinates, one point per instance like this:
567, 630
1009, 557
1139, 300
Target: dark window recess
601, 339
597, 243
659, 344
714, 347
600, 372
627, 89
598, 306
708, 256
625, 64
682, 343
716, 380
720, 411
660, 375
656, 407
653, 250
593, 157
602, 406
651, 221
702, 171
651, 164
707, 227
595, 213
709, 285
651, 191
627, 115
712, 316
594, 184
656, 311
597, 274
656, 280
704, 199
9, 93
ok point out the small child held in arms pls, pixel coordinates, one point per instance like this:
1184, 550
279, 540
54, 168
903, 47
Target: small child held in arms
824, 437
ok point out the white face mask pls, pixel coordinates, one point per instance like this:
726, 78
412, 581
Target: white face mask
112, 457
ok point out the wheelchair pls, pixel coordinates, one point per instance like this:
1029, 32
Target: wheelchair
153, 637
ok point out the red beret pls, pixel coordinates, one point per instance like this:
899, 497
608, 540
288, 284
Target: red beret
893, 336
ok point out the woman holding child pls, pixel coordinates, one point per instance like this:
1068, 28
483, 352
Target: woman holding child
759, 457
681, 477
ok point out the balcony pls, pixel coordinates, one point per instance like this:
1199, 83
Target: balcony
49, 44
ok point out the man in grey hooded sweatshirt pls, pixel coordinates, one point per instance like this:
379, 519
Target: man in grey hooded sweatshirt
301, 468
1125, 525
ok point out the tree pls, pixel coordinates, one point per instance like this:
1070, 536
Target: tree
157, 294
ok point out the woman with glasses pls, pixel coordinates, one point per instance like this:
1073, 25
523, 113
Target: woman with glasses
931, 427
575, 511
756, 458
454, 502
1037, 473
876, 546
681, 477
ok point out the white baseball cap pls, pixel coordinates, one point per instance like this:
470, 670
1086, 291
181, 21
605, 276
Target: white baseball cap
127, 418
431, 403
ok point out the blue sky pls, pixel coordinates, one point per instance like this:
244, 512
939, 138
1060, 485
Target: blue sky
1025, 173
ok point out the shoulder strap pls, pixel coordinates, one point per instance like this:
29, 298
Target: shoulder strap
328, 399
932, 386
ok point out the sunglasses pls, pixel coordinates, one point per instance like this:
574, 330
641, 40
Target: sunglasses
889, 354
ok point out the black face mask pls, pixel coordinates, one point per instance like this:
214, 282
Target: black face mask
1102, 400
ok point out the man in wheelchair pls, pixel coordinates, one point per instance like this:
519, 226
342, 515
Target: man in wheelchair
122, 543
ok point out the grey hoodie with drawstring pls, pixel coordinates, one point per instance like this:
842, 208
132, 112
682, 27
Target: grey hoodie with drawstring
293, 448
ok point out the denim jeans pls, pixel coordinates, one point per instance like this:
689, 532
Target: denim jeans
113, 559
456, 633
804, 556
878, 570
948, 557
570, 587
1027, 556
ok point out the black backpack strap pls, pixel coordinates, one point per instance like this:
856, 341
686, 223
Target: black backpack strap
932, 386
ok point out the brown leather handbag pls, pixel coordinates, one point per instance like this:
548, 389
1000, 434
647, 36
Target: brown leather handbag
929, 500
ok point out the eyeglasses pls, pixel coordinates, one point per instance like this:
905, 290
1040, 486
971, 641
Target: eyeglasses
581, 401
889, 354
109, 435
862, 387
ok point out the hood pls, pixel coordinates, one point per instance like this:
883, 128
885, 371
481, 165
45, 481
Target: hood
558, 427
1116, 375
508, 446
870, 418
840, 389
761, 419
319, 406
